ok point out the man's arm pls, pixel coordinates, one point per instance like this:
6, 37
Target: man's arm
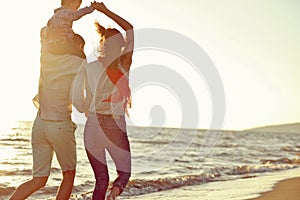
77, 95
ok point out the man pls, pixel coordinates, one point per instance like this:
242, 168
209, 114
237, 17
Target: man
53, 129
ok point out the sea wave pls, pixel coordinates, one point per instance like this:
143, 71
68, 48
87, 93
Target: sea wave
15, 139
246, 169
5, 191
138, 187
22, 172
281, 161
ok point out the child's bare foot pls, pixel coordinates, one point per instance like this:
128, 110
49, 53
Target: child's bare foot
115, 191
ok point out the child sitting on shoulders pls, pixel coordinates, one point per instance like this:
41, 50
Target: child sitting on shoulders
58, 33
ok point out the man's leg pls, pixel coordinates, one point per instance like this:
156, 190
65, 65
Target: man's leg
66, 186
42, 156
29, 187
61, 136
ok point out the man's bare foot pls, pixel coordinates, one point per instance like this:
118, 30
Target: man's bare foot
115, 191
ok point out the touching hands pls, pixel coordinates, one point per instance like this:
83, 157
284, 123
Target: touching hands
99, 6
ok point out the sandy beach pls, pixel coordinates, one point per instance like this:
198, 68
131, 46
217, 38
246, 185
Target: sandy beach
287, 189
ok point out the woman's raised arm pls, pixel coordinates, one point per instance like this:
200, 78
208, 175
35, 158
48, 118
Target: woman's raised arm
129, 43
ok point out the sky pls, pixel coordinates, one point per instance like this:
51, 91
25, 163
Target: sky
253, 44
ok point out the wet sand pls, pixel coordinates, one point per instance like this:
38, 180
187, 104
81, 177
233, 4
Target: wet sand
287, 189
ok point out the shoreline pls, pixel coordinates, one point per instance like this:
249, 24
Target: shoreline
267, 187
284, 185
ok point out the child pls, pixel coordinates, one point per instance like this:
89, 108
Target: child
58, 33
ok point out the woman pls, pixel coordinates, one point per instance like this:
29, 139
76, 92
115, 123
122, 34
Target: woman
106, 102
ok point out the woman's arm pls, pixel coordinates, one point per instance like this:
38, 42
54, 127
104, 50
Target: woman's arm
119, 20
129, 44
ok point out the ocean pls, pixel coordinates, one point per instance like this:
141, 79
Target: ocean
162, 159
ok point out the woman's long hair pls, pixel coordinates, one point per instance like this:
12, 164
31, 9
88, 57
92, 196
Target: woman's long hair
112, 38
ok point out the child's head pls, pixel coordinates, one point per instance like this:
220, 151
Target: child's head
71, 4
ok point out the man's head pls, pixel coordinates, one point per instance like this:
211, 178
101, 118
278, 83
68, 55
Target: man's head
79, 42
